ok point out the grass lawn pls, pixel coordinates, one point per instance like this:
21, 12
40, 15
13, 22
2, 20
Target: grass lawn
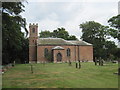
60, 75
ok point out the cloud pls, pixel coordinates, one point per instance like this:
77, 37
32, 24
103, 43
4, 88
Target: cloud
53, 16
69, 15
48, 24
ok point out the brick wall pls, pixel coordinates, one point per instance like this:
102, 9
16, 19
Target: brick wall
32, 53
85, 53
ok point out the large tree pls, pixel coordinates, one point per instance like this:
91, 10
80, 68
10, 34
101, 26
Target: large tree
115, 23
59, 33
12, 40
96, 34
93, 30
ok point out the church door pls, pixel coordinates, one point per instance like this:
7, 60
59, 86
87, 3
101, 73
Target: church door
59, 57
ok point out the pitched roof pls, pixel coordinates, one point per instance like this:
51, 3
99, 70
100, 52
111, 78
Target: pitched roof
60, 41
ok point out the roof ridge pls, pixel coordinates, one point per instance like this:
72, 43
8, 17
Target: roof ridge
60, 41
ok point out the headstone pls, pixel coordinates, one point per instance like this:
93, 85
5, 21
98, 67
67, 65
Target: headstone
118, 71
25, 62
101, 62
69, 63
14, 62
95, 61
76, 65
79, 64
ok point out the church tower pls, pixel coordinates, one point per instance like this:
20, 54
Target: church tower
33, 36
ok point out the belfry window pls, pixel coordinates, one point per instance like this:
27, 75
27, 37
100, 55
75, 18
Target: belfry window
68, 52
33, 30
45, 52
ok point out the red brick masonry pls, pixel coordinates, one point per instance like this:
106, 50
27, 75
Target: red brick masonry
83, 52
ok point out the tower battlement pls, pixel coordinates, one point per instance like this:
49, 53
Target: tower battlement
34, 24
33, 30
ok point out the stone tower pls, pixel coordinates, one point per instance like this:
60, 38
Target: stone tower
33, 36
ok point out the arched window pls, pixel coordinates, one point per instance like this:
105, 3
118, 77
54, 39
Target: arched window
45, 52
68, 52
33, 30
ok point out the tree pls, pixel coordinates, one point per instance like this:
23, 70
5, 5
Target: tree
72, 37
114, 31
45, 34
96, 34
23, 53
93, 30
11, 31
59, 33
115, 23
109, 49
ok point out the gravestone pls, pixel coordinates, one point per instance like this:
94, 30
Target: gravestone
70, 63
101, 62
95, 61
25, 62
118, 71
76, 65
79, 64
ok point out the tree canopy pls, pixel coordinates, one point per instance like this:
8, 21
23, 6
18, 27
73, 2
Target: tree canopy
96, 34
59, 33
13, 39
93, 30
115, 23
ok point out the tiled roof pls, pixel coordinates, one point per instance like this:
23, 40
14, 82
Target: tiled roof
60, 41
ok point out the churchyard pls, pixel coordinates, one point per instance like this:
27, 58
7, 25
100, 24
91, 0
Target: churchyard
61, 75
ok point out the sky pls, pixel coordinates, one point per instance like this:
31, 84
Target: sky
53, 14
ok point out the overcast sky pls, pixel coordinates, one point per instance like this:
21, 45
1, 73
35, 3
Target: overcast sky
54, 14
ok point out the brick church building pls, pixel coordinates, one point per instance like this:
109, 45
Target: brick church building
57, 49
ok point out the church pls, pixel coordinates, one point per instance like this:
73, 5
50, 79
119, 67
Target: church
57, 49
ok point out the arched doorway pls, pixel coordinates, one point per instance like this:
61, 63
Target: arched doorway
59, 57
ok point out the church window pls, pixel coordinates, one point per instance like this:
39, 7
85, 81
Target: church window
68, 52
33, 30
45, 52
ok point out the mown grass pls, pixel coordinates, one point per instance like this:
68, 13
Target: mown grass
61, 75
